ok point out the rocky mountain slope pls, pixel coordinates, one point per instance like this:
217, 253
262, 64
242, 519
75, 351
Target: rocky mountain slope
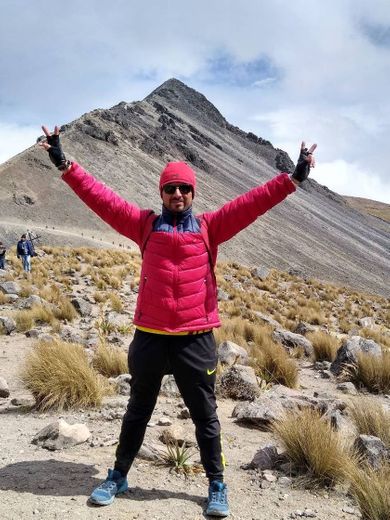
127, 146
370, 207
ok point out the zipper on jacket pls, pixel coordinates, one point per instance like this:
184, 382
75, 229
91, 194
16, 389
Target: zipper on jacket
175, 237
142, 289
206, 311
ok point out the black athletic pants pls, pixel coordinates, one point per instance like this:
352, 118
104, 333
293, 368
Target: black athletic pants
192, 359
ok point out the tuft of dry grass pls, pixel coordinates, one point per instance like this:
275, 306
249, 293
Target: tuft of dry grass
315, 449
99, 296
372, 372
26, 290
312, 316
3, 298
370, 418
273, 364
50, 293
345, 326
116, 302
59, 376
371, 489
110, 361
65, 310
325, 346
27, 319
242, 332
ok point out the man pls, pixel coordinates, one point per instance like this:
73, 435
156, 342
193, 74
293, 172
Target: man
24, 250
3, 250
177, 304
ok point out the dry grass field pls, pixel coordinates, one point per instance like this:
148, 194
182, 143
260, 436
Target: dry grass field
64, 376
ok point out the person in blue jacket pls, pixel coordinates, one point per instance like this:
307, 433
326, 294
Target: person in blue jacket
24, 250
3, 250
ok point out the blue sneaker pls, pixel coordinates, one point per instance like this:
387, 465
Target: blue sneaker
114, 484
217, 504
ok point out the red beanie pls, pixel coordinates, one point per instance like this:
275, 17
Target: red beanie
178, 173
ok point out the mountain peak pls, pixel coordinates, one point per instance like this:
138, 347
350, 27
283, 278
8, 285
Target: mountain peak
187, 99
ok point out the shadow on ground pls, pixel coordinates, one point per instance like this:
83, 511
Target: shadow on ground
58, 478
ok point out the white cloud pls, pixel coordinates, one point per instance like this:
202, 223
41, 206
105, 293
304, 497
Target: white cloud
352, 149
14, 139
327, 78
349, 179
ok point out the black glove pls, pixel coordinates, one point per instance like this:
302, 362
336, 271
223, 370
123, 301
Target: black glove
302, 168
56, 154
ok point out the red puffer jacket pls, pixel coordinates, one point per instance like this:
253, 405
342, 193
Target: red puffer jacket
178, 288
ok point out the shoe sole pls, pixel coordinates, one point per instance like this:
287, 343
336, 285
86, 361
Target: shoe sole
101, 502
217, 513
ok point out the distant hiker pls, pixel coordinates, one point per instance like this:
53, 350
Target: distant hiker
3, 250
177, 301
25, 251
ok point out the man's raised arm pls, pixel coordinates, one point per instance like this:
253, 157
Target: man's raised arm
126, 218
237, 214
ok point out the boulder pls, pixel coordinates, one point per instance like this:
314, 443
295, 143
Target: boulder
267, 319
184, 414
32, 333
24, 402
7, 324
122, 383
10, 288
349, 350
61, 435
83, 307
222, 295
272, 405
230, 353
304, 328
164, 421
260, 272
115, 319
347, 388
260, 412
27, 303
169, 387
367, 322
71, 335
4, 390
322, 365
239, 382
290, 340
115, 339
175, 434
151, 452
266, 458
373, 449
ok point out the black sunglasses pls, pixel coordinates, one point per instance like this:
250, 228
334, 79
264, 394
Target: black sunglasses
170, 189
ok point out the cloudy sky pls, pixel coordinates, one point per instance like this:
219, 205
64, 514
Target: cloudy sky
287, 71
